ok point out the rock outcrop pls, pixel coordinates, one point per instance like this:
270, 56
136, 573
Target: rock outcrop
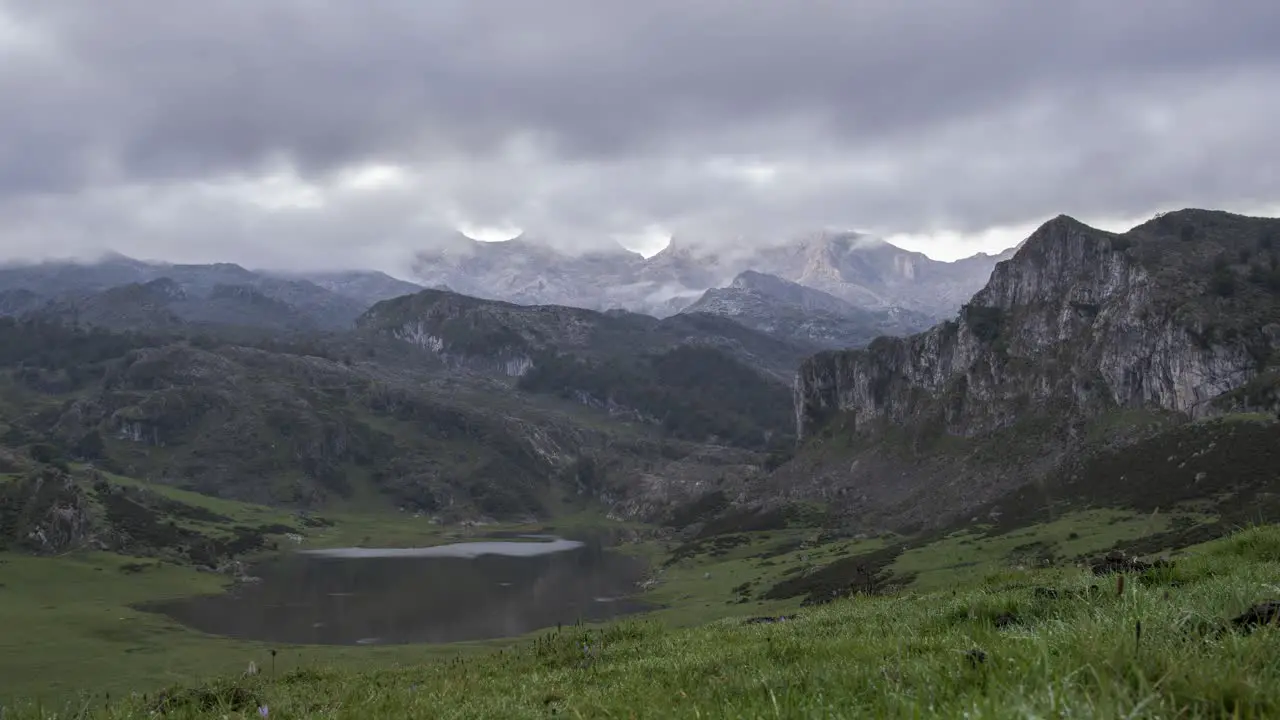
1079, 320
1179, 316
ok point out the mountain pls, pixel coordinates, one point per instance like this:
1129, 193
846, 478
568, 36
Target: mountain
77, 286
871, 273
700, 377
466, 329
781, 308
18, 301
862, 270
311, 422
453, 406
364, 286
529, 272
165, 305
1081, 347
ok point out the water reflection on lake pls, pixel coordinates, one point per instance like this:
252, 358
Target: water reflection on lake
448, 593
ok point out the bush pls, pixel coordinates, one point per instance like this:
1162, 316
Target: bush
1223, 283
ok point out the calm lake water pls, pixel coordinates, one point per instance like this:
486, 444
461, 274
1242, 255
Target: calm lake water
449, 593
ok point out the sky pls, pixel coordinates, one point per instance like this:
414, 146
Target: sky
312, 134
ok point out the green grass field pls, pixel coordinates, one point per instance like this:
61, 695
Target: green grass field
70, 638
1017, 643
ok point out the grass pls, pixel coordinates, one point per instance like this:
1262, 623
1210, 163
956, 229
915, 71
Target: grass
69, 627
963, 556
1031, 643
346, 526
70, 630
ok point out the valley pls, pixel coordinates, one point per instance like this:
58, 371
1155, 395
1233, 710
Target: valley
776, 450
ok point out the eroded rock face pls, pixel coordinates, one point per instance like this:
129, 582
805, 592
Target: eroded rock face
1081, 330
1072, 322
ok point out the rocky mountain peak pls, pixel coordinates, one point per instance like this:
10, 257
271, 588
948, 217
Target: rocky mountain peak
1176, 320
1078, 316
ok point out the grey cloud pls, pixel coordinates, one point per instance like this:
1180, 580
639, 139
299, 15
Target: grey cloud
578, 118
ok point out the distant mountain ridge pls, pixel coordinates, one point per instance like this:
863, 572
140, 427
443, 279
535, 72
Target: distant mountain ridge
862, 270
867, 287
782, 308
119, 292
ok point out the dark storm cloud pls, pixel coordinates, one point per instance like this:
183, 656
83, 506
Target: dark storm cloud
583, 117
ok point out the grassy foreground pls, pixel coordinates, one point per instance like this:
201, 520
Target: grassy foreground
1036, 643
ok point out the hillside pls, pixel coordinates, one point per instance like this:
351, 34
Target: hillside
347, 418
699, 377
118, 292
1173, 321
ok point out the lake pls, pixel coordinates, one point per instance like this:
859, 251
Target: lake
449, 593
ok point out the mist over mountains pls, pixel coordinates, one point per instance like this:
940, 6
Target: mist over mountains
862, 270
849, 287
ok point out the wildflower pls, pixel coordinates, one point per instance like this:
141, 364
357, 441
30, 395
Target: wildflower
264, 711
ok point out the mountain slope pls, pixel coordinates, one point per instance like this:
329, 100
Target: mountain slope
73, 285
792, 311
340, 420
163, 305
1176, 319
19, 301
665, 372
364, 286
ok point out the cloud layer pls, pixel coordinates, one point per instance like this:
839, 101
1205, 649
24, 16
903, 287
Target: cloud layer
302, 133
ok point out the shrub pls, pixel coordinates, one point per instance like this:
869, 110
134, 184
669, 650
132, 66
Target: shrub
1223, 283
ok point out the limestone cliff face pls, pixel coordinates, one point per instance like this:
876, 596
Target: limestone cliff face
1078, 321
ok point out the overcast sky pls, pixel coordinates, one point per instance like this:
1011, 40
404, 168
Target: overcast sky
309, 133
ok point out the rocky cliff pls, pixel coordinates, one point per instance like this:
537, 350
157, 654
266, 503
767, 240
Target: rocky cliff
1180, 315
1079, 319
